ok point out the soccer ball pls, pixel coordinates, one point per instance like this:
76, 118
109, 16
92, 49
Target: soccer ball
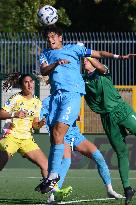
48, 15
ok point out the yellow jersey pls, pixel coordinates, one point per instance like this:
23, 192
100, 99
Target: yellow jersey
22, 128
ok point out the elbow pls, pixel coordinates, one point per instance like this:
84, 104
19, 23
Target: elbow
44, 72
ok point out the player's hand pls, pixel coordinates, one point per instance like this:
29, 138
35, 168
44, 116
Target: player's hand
62, 61
42, 122
20, 114
128, 56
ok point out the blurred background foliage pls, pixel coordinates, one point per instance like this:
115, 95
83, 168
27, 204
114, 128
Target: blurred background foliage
74, 15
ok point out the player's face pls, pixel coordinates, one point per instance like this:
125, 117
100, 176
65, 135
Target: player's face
87, 64
54, 40
28, 85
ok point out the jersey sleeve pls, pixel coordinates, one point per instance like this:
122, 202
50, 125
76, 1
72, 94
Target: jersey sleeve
82, 50
10, 104
88, 52
43, 58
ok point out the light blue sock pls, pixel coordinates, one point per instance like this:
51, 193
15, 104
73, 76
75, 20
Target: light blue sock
102, 167
57, 152
65, 165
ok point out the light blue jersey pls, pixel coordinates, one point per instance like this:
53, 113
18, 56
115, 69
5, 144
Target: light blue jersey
66, 76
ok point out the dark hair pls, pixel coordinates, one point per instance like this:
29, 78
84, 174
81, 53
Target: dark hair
53, 29
14, 79
21, 78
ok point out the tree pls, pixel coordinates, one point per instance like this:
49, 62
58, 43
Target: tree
5, 14
100, 15
25, 14
74, 15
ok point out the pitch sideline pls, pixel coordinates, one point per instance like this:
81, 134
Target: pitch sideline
83, 200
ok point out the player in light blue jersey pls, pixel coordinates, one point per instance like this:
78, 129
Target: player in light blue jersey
78, 142
62, 64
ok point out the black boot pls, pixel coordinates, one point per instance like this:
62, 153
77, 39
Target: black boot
129, 193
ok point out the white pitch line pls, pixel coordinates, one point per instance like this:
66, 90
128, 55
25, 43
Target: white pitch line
87, 200
92, 178
83, 200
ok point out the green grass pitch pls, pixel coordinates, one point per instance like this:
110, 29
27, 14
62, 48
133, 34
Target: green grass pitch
17, 187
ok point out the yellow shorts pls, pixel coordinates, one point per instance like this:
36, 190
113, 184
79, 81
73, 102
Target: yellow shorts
11, 145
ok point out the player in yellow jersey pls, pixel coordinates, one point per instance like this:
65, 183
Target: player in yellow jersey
21, 113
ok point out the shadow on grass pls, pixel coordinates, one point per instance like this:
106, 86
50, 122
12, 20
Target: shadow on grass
4, 201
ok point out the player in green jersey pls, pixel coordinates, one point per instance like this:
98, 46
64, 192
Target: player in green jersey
116, 115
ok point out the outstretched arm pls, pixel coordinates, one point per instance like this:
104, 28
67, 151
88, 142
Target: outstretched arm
105, 54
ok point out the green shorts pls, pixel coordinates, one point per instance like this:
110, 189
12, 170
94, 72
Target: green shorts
112, 122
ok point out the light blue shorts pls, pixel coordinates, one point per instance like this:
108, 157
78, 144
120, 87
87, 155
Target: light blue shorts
64, 107
74, 137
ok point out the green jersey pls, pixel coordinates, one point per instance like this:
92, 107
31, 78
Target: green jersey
101, 96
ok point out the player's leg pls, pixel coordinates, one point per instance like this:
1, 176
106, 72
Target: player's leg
116, 136
57, 133
60, 193
66, 162
31, 151
8, 146
130, 124
121, 150
65, 165
67, 109
4, 157
89, 150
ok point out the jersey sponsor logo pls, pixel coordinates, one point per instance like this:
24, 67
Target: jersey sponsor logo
29, 112
8, 102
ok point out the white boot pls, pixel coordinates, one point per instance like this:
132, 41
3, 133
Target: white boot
51, 199
113, 194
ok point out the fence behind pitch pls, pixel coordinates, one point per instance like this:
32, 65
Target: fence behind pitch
92, 121
20, 51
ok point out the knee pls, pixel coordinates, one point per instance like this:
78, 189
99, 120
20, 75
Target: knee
57, 139
58, 134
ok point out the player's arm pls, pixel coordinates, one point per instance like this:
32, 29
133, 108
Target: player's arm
4, 114
38, 124
99, 66
47, 69
8, 115
104, 54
